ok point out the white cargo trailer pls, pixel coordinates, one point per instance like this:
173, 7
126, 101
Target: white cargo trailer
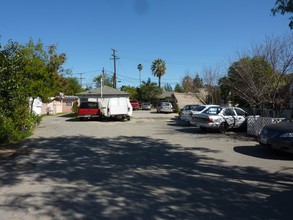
116, 107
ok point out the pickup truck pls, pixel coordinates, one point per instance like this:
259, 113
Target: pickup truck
89, 110
135, 104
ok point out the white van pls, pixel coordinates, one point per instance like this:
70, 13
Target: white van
116, 107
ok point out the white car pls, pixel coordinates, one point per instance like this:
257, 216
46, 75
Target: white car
184, 113
221, 119
146, 106
165, 107
199, 110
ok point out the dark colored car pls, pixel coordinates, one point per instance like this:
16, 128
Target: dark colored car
278, 136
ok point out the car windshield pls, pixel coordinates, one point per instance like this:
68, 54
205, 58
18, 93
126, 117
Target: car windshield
199, 108
166, 104
193, 107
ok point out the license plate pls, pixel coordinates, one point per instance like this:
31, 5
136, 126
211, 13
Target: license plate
263, 140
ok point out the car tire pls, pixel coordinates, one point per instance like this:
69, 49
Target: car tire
223, 127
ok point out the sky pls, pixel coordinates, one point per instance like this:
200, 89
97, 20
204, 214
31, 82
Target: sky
189, 35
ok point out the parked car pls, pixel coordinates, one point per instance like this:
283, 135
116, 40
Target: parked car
135, 104
278, 136
165, 107
89, 110
197, 110
221, 119
146, 106
184, 113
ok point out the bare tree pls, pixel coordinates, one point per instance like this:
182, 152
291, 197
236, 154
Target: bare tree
210, 80
278, 51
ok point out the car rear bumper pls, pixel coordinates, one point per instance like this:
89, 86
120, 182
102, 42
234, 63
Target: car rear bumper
207, 125
192, 122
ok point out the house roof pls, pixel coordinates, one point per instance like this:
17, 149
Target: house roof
105, 90
165, 95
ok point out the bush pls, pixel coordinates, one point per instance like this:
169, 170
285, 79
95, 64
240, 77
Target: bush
8, 132
13, 130
74, 109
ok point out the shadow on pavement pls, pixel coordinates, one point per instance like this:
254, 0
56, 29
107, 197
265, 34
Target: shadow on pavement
141, 178
262, 152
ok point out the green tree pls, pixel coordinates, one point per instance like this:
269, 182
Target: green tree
158, 69
132, 91
284, 7
139, 67
107, 80
12, 69
14, 111
192, 84
253, 81
71, 86
149, 91
178, 88
42, 70
187, 83
168, 88
26, 71
197, 83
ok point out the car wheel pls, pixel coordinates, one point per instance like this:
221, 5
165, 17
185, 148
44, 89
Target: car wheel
223, 127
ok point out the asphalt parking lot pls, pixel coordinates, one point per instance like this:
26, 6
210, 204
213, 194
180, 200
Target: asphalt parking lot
151, 167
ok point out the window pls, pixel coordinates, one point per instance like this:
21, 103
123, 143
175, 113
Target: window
89, 105
213, 110
199, 108
229, 112
68, 103
240, 112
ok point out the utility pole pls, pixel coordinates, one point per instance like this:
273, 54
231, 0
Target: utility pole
81, 78
114, 75
103, 77
102, 81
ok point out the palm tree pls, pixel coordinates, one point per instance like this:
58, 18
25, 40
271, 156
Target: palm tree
139, 67
158, 69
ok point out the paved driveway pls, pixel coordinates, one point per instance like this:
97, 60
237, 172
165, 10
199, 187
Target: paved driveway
152, 167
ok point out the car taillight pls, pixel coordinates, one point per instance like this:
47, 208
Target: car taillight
209, 119
203, 119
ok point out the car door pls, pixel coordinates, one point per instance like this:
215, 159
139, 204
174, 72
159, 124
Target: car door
240, 117
184, 112
229, 116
